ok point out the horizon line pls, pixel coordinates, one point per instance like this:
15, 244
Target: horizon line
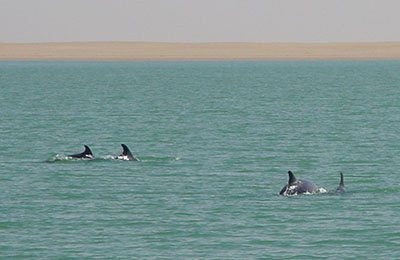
203, 42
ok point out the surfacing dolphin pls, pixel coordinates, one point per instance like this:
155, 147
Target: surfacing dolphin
341, 188
295, 186
87, 154
126, 154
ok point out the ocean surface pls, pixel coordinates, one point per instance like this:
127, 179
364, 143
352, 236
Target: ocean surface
215, 140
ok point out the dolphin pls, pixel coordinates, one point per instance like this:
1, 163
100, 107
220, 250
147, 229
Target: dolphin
341, 188
126, 155
295, 186
87, 154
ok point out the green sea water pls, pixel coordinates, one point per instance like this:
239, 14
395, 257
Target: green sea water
215, 140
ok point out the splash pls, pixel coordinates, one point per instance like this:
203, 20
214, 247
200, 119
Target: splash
290, 193
65, 158
322, 190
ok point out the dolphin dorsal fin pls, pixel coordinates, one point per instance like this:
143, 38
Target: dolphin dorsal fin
292, 178
341, 180
126, 151
87, 151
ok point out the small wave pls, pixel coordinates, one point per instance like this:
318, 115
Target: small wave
58, 157
61, 157
120, 158
65, 158
108, 157
158, 159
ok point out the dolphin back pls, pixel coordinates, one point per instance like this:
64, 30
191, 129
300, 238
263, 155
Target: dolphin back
85, 154
295, 186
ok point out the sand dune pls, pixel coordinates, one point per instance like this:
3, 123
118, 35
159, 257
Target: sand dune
152, 51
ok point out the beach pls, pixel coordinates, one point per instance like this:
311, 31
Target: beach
158, 51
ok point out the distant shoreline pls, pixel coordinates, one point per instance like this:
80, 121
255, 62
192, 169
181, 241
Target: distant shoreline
157, 51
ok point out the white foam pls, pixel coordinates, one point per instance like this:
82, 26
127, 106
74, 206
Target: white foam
322, 190
60, 157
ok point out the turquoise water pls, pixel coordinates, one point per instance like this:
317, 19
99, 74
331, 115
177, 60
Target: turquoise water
216, 140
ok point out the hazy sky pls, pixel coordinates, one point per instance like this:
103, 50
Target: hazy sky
199, 20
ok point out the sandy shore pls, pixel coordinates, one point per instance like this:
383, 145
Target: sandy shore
151, 51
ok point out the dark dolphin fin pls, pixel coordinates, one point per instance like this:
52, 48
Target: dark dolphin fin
126, 152
283, 190
341, 180
341, 184
85, 154
292, 178
87, 151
